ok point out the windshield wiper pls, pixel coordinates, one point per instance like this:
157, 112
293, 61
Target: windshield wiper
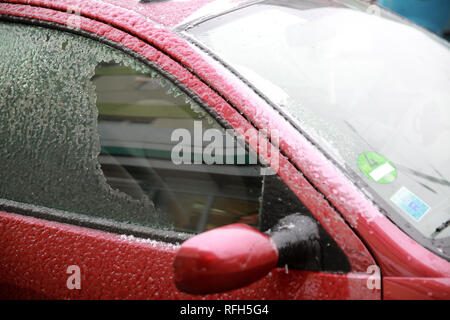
441, 228
424, 176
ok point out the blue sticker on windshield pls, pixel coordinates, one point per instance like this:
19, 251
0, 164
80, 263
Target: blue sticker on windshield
410, 203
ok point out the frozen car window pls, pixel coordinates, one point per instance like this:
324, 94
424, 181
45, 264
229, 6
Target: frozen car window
49, 134
88, 129
373, 93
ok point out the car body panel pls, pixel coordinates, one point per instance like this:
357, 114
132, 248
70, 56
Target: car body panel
404, 288
36, 254
171, 14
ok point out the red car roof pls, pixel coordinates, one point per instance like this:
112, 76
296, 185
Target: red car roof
173, 12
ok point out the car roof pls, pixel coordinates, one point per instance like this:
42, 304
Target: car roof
174, 12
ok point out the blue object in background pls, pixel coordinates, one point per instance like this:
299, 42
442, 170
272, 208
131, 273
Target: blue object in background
431, 14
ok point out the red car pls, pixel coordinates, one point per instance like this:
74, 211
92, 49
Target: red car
305, 142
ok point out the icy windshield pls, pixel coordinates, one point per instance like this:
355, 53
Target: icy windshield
373, 93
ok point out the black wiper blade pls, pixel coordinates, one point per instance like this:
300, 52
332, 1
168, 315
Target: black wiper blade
441, 228
425, 176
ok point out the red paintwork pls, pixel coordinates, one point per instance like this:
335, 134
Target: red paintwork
35, 255
404, 288
225, 258
168, 13
396, 253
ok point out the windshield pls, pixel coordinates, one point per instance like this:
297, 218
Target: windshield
373, 93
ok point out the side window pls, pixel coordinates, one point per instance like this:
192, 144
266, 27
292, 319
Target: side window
90, 130
152, 139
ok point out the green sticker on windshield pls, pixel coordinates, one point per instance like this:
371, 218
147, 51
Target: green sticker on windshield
376, 167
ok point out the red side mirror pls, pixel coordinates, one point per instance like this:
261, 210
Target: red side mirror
223, 259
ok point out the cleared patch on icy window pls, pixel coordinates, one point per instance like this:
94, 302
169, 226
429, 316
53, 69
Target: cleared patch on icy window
138, 112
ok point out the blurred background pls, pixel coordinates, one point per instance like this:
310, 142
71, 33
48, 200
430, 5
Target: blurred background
433, 15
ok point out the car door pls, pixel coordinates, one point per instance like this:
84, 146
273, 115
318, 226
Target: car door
95, 195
